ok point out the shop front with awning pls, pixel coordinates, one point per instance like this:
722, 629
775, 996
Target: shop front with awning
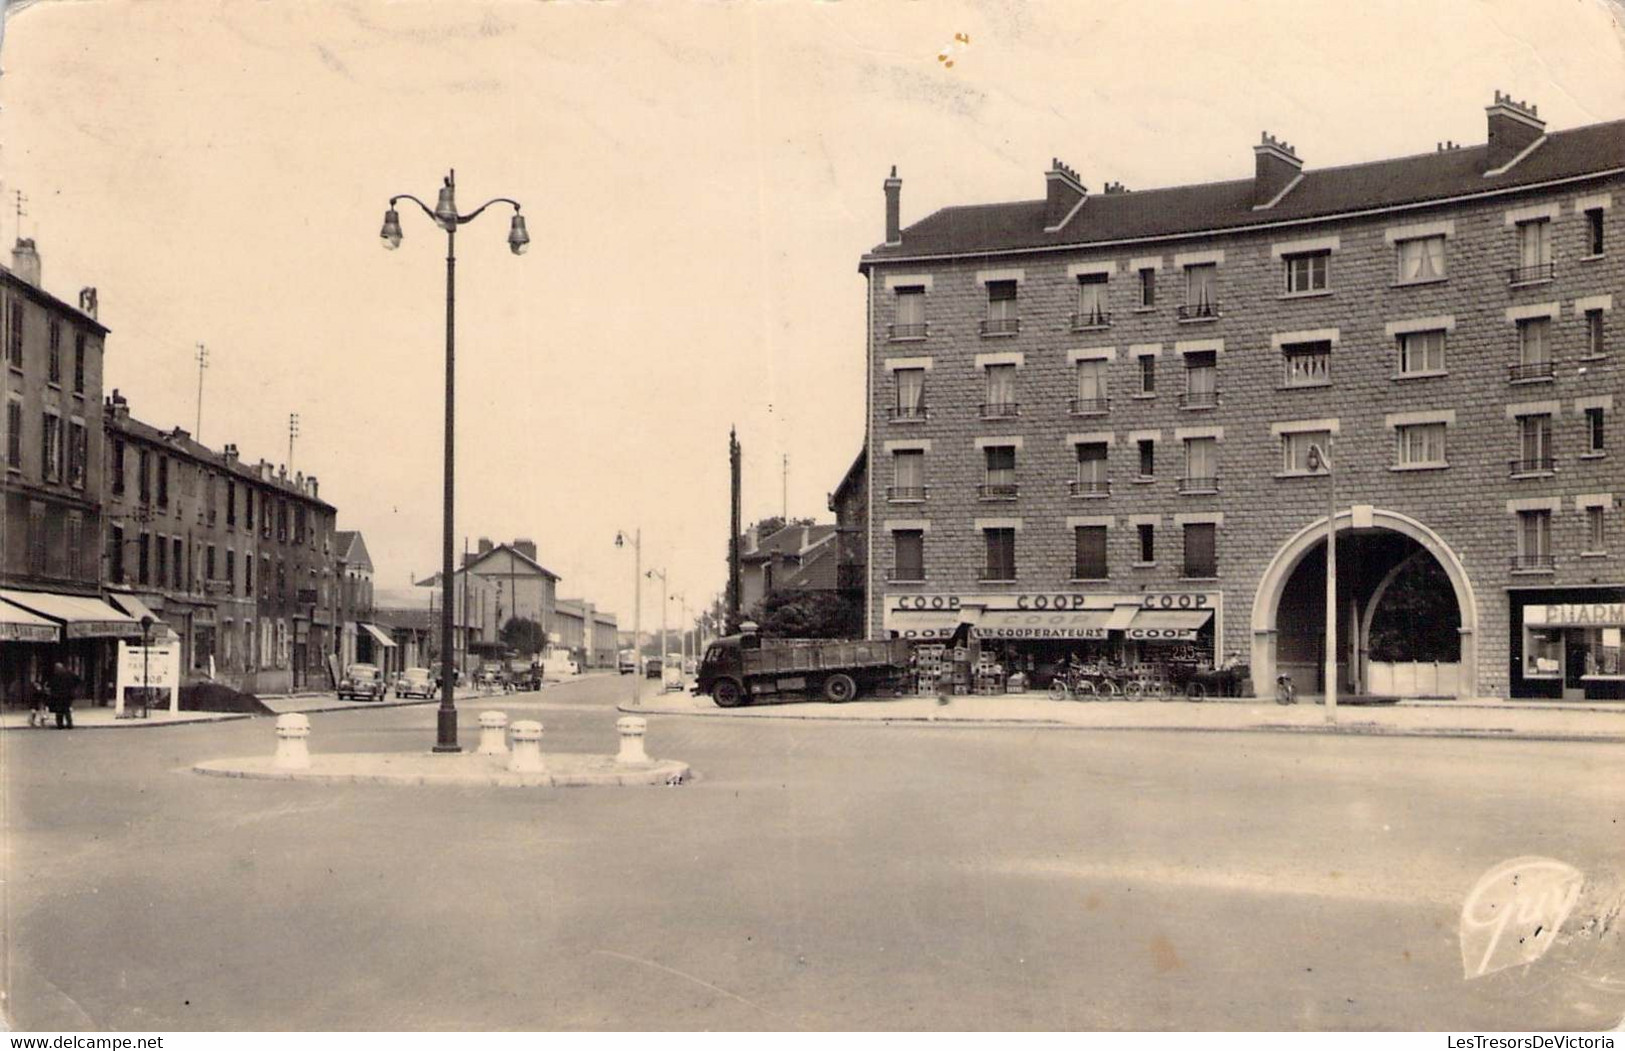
374, 646
44, 628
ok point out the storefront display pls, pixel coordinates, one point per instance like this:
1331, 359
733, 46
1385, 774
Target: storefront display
1569, 644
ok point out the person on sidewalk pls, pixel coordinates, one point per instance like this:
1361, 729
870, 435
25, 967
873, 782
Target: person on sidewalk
34, 694
64, 685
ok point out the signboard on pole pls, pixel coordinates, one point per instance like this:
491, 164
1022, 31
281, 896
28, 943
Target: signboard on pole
157, 667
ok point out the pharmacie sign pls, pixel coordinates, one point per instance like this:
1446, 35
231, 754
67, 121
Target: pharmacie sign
1581, 614
1045, 600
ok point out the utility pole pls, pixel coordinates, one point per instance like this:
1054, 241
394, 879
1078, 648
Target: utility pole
733, 536
465, 604
203, 363
784, 490
293, 425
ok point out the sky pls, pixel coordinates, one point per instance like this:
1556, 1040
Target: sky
699, 181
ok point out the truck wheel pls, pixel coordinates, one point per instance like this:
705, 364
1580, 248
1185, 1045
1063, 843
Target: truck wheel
839, 688
727, 694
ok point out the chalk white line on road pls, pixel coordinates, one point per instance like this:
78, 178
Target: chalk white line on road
696, 980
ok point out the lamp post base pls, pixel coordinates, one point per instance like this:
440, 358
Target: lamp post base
447, 731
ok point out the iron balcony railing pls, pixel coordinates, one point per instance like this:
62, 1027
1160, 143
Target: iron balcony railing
906, 576
1199, 483
1095, 487
903, 493
902, 332
1089, 406
1199, 399
1533, 465
1083, 320
998, 491
1199, 311
1527, 563
909, 412
1531, 370
1525, 275
998, 410
1001, 326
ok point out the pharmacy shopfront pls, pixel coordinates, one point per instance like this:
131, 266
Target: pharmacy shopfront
1566, 643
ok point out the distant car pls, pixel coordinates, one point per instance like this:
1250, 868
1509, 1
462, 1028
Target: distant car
691, 666
651, 668
524, 674
362, 682
415, 682
628, 663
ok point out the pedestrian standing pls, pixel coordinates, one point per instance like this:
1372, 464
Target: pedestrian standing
34, 692
64, 685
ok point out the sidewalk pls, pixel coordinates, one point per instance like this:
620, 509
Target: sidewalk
102, 719
1488, 717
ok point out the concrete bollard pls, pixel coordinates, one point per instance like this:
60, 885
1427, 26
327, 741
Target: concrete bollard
632, 728
526, 757
493, 733
292, 730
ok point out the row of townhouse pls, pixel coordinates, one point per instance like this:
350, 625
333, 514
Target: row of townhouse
108, 520
1102, 423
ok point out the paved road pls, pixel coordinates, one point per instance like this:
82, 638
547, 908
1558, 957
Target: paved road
816, 876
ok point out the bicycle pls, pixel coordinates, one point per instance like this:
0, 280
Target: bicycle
1071, 686
1285, 691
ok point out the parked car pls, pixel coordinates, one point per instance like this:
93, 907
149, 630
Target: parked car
651, 668
416, 682
628, 663
673, 677
362, 682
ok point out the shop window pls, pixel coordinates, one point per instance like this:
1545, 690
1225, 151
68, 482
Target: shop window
1542, 653
1601, 651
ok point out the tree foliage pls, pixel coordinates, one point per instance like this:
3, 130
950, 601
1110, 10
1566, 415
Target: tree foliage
791, 614
1417, 619
522, 635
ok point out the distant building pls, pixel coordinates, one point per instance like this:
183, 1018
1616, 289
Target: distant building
523, 586
791, 556
850, 502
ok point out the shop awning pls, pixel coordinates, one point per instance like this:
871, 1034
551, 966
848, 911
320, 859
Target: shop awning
1122, 617
81, 617
378, 636
1177, 625
19, 625
924, 623
1042, 624
138, 609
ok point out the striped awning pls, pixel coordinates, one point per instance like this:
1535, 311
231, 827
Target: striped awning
19, 625
80, 616
1178, 625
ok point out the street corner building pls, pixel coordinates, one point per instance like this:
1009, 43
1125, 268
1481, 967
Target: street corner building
1115, 424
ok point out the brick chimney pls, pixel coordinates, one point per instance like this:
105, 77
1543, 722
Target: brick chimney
1062, 194
1275, 167
1514, 127
87, 300
118, 406
526, 547
894, 208
25, 261
315, 491
228, 452
485, 545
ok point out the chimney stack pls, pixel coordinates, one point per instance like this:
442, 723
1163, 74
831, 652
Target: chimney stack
25, 261
1514, 127
526, 547
315, 491
485, 545
118, 406
1275, 167
894, 208
87, 300
229, 452
1062, 192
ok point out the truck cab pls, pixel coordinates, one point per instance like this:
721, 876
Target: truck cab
724, 663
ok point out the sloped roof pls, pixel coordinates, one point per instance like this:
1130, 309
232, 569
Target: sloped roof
518, 555
352, 548
860, 464
1219, 206
817, 573
788, 541
180, 441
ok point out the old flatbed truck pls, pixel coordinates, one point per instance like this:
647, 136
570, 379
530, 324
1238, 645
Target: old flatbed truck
741, 669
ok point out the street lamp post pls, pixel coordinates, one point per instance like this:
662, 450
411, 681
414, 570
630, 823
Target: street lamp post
665, 599
1317, 460
146, 655
445, 215
637, 607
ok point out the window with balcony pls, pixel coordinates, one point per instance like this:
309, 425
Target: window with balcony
1534, 351
1093, 309
908, 475
1421, 259
1147, 537
910, 386
1307, 364
1295, 446
1306, 273
1201, 466
1201, 550
1421, 353
53, 373
1594, 241
1595, 438
1093, 477
908, 554
51, 447
1596, 346
1001, 319
1534, 542
1000, 400
1534, 253
1534, 445
999, 480
908, 316
1201, 292
14, 435
1090, 561
1419, 445
1092, 397
1148, 458
1000, 545
1201, 381
1148, 288
1148, 375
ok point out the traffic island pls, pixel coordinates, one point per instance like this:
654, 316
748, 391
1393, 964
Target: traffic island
525, 765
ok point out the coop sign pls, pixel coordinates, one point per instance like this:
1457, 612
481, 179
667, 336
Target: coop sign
1188, 600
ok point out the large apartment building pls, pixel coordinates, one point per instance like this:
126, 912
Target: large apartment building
1101, 422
